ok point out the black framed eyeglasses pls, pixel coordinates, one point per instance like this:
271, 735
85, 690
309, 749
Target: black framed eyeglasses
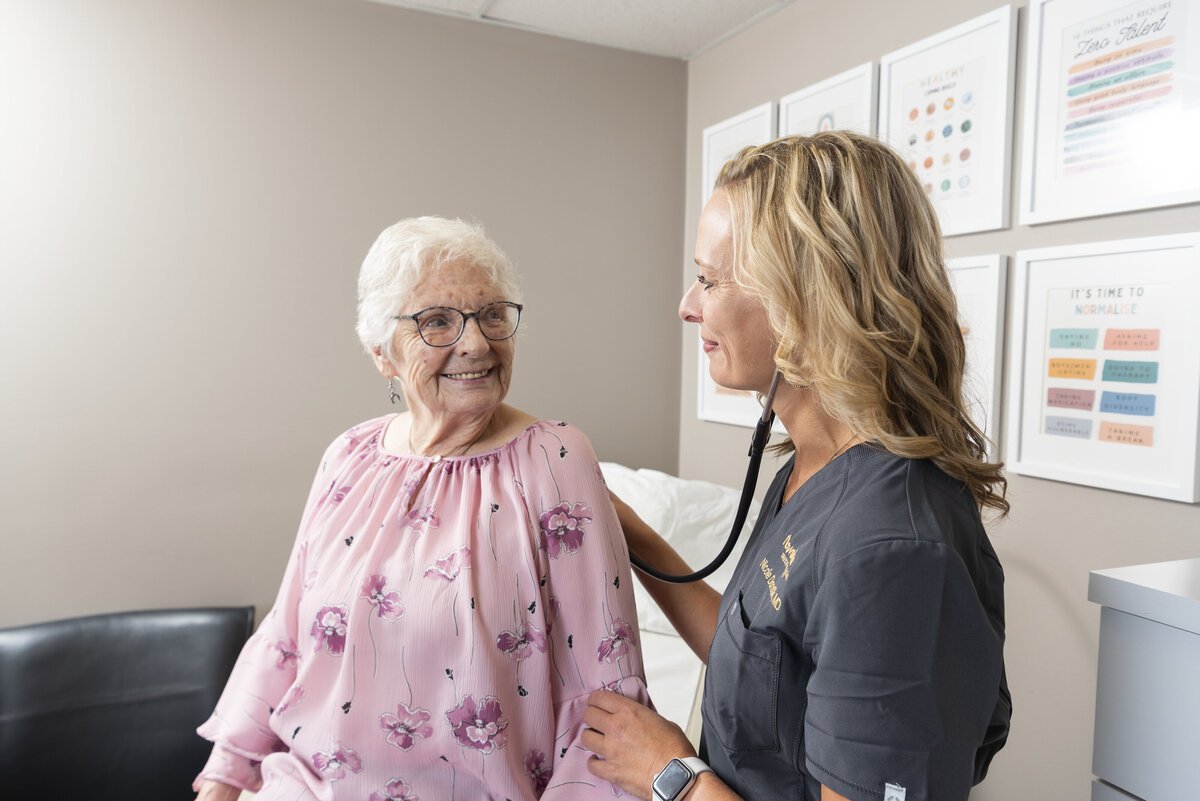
442, 326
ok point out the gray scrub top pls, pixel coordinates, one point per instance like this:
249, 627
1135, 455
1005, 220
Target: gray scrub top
860, 640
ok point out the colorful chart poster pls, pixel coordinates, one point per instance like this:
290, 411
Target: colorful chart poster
1112, 107
979, 283
944, 132
946, 106
845, 102
1107, 372
1102, 359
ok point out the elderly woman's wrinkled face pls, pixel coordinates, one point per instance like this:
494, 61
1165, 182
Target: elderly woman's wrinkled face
470, 377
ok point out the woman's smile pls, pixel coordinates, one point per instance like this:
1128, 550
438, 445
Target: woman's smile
471, 376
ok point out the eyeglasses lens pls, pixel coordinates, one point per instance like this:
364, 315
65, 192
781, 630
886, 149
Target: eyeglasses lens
441, 327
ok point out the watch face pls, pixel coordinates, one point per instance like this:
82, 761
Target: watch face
673, 780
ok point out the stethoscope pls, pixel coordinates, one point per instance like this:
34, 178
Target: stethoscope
762, 431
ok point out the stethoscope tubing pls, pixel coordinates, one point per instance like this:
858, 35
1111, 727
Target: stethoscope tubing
758, 443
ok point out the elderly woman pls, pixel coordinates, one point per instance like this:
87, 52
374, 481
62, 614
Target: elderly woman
459, 583
857, 652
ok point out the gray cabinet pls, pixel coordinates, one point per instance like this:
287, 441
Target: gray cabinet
1147, 735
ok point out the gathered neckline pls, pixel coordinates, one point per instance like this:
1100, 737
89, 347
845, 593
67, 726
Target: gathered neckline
438, 459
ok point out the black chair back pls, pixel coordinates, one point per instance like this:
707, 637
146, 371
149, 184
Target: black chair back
106, 706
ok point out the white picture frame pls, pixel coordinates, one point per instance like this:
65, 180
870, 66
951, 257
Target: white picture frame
945, 104
1111, 107
1104, 370
979, 284
846, 102
721, 141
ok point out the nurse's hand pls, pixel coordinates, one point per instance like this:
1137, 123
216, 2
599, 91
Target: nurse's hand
631, 742
216, 791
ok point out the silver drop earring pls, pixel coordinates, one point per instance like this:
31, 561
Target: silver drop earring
393, 395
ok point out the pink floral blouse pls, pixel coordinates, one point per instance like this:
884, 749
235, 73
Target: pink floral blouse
439, 627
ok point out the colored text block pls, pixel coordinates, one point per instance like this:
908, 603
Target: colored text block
1069, 427
1131, 339
1125, 434
1073, 368
1081, 338
1127, 403
1131, 372
1081, 399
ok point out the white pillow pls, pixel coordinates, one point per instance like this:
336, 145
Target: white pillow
694, 516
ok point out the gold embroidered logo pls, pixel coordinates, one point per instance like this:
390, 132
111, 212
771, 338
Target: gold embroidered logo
769, 575
788, 556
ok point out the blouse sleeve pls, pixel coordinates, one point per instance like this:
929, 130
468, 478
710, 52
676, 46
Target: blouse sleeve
239, 727
588, 592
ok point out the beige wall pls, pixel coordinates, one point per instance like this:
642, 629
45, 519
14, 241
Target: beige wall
1057, 532
187, 189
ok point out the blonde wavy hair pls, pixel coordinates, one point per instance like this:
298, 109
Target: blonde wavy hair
837, 238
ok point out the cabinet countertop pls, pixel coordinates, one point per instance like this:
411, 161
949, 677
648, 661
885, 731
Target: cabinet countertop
1168, 592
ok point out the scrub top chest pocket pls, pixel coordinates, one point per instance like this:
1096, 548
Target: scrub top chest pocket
741, 686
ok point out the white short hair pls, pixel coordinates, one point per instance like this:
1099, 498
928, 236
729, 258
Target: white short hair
407, 252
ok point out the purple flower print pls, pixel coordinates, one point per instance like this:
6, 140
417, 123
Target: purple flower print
405, 726
521, 644
395, 790
478, 726
293, 696
537, 767
289, 655
415, 519
562, 527
340, 494
329, 629
450, 565
387, 604
334, 765
616, 646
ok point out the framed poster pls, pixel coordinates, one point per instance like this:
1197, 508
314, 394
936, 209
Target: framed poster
845, 102
979, 284
1112, 107
1104, 374
945, 103
723, 140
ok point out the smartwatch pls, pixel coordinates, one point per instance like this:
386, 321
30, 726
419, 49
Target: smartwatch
673, 781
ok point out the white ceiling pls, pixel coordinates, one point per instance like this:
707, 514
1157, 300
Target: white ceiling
675, 28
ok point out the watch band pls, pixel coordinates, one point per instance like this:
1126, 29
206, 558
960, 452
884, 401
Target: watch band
697, 765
